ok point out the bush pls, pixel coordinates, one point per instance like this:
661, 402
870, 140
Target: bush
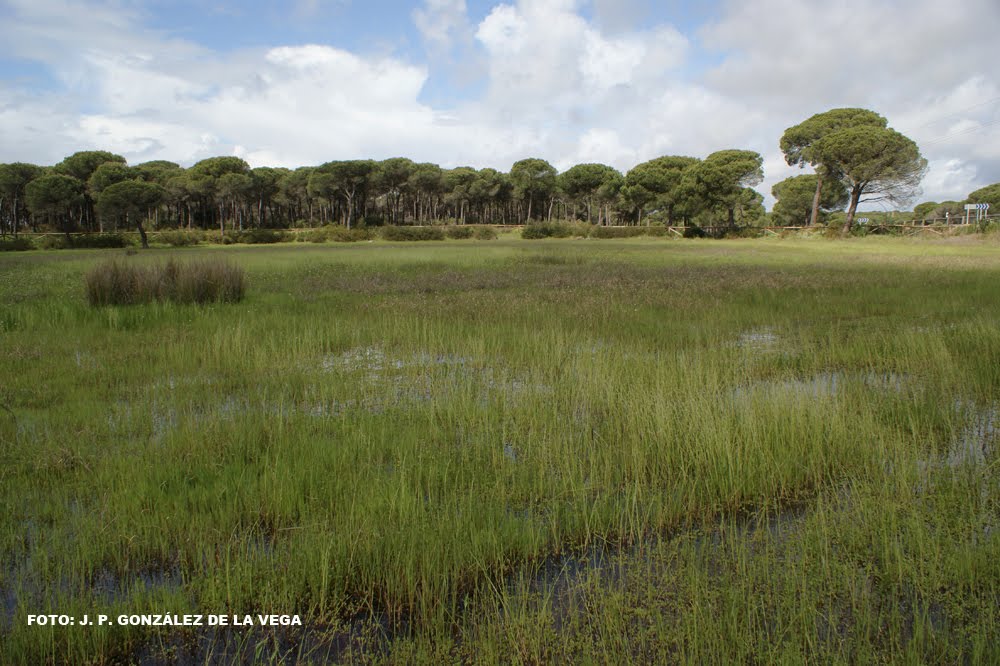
555, 230
743, 232
617, 232
345, 235
335, 234
16, 244
412, 233
484, 233
205, 281
179, 238
101, 241
458, 233
262, 236
86, 241
314, 236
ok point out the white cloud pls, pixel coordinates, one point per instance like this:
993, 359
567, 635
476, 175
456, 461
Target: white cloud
557, 85
924, 64
442, 22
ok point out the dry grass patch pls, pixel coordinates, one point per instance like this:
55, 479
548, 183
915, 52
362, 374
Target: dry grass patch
204, 281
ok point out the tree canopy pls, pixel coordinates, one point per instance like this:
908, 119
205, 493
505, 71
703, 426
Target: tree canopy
54, 195
874, 163
795, 195
657, 183
534, 180
131, 200
719, 179
798, 143
849, 148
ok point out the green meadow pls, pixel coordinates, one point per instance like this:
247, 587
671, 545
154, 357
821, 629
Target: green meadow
559, 451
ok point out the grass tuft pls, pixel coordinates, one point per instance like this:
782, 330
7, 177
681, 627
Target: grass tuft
204, 281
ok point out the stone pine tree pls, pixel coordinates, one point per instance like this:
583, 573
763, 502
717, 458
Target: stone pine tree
131, 200
55, 196
796, 198
656, 183
720, 179
798, 143
873, 163
14, 178
534, 182
583, 184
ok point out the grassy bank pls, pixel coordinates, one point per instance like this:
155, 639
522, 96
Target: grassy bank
406, 445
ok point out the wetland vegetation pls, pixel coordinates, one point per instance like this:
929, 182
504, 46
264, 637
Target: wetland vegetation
564, 451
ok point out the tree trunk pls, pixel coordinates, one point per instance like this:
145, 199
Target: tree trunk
142, 232
814, 217
855, 197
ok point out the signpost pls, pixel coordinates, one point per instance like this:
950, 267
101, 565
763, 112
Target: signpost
980, 209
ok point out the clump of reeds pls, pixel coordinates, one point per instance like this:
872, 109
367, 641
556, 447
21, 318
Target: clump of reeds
203, 281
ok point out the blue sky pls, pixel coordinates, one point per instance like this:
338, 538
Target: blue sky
485, 83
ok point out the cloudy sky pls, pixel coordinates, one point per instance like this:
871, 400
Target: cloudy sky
484, 83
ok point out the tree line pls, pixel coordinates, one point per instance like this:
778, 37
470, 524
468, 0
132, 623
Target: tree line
854, 154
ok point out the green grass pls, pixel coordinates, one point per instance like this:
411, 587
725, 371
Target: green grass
400, 443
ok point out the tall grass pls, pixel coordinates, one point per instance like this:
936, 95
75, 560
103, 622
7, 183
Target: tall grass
200, 281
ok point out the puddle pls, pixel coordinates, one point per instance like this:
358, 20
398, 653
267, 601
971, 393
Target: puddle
374, 362
420, 377
758, 340
563, 581
509, 452
822, 385
111, 587
366, 637
977, 441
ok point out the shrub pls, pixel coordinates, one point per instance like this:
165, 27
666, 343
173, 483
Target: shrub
89, 241
262, 236
555, 230
657, 231
204, 281
180, 238
743, 232
51, 242
100, 241
314, 236
484, 233
617, 232
412, 233
336, 234
345, 235
16, 244
228, 238
458, 233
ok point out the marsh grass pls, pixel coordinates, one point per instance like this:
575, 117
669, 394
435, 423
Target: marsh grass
199, 281
400, 444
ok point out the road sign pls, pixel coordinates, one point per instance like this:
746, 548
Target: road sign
980, 209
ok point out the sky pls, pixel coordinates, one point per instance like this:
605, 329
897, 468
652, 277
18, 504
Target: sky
483, 83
